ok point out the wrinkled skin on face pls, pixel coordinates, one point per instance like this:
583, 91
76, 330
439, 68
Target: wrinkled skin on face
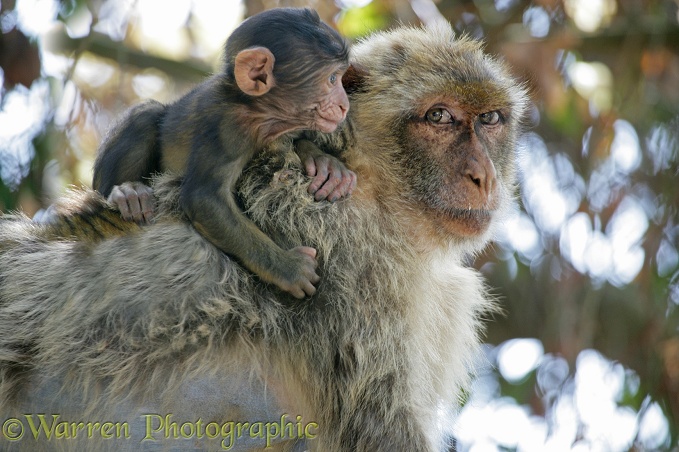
332, 104
461, 187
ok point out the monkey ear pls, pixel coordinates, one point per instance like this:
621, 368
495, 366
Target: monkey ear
354, 79
253, 69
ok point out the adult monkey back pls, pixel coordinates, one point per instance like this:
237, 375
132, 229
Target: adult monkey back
385, 346
282, 73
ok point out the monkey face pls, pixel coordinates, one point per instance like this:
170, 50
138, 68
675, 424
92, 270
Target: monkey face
455, 112
315, 100
329, 103
450, 155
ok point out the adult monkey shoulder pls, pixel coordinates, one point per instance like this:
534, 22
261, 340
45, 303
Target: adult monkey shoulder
385, 346
282, 73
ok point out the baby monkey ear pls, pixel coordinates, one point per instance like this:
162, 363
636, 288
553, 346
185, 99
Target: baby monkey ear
253, 69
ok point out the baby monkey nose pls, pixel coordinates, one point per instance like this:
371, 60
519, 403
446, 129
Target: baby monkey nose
344, 106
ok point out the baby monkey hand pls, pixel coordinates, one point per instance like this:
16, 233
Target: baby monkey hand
331, 178
134, 200
299, 275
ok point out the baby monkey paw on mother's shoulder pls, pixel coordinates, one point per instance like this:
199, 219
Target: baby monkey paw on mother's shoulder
134, 200
331, 178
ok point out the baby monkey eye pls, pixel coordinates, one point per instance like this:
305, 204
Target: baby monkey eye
490, 119
439, 116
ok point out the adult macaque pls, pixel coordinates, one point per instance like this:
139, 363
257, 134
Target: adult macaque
377, 358
282, 73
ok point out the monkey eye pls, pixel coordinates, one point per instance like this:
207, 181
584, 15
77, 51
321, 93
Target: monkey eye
490, 119
439, 116
333, 79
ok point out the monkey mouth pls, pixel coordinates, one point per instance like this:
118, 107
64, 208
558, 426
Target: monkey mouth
467, 222
469, 214
328, 120
326, 125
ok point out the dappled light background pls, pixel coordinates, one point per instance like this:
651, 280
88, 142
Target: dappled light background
586, 354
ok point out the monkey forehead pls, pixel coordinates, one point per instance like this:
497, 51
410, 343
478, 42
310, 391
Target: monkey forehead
473, 97
433, 60
434, 47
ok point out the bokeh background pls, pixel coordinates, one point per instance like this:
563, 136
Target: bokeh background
586, 354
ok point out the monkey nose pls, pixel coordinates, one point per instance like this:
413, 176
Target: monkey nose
344, 109
482, 175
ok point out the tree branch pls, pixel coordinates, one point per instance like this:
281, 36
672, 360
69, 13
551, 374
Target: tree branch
102, 45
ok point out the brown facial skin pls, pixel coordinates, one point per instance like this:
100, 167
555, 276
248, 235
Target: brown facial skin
320, 104
460, 185
209, 135
332, 103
